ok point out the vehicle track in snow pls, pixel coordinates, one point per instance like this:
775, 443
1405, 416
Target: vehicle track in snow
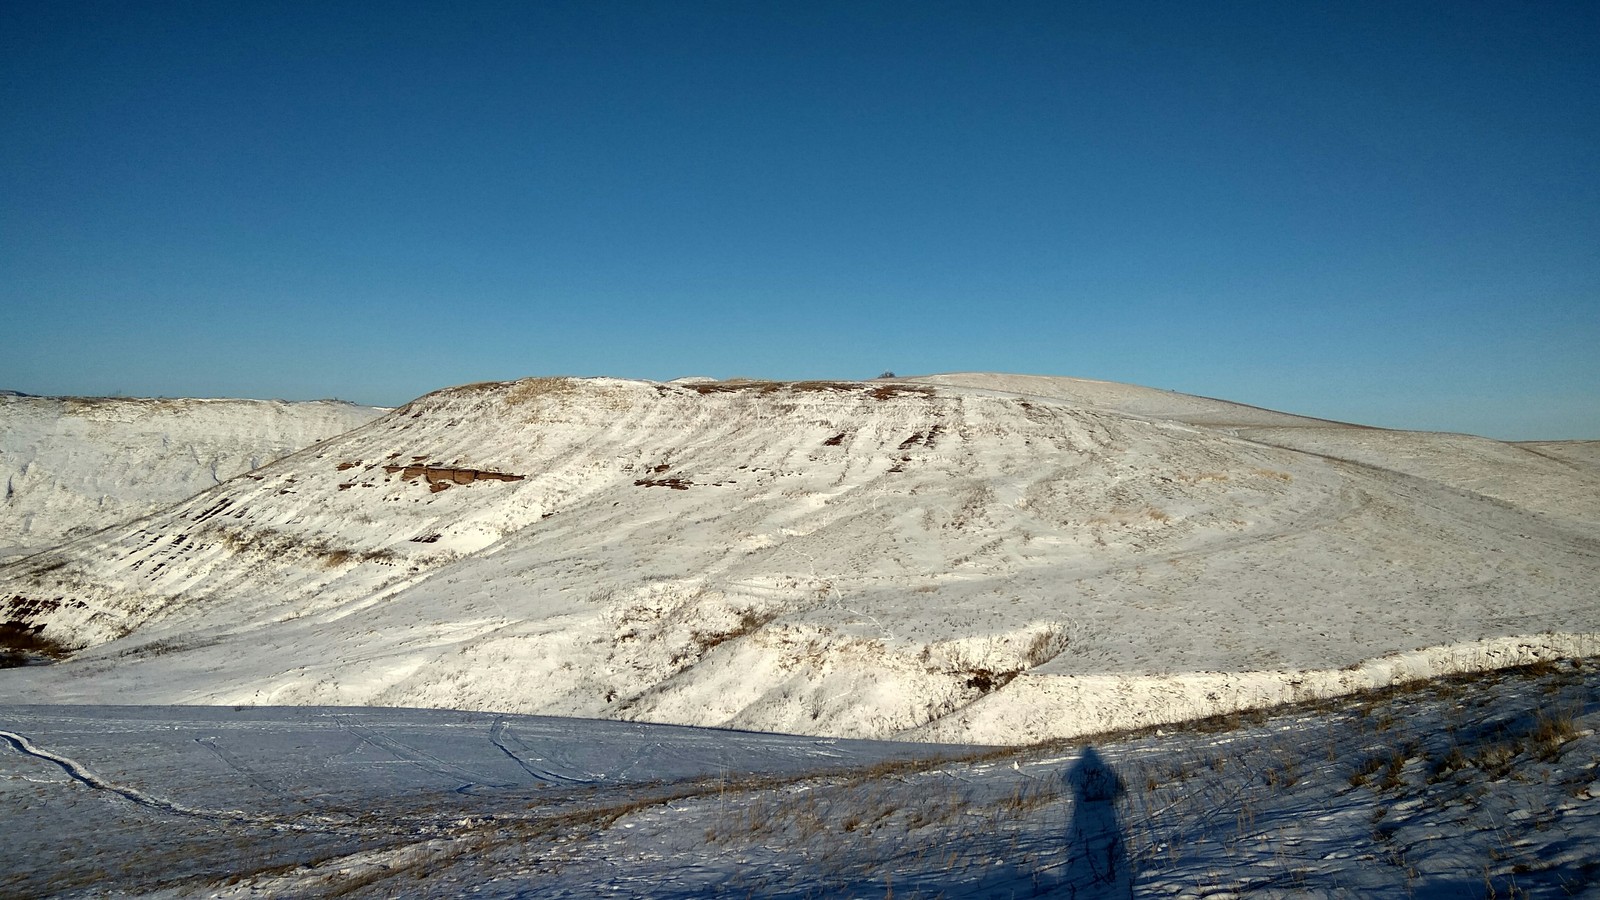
500, 732
469, 780
87, 777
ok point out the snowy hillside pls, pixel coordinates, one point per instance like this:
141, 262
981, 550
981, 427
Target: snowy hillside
1556, 478
73, 465
959, 558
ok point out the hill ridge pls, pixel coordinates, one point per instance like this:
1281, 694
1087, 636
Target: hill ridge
849, 558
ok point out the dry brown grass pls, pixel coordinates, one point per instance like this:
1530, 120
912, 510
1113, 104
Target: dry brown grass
877, 391
1393, 775
1497, 759
1031, 795
467, 390
1128, 517
750, 621
736, 386
1551, 732
276, 544
1365, 771
1543, 667
886, 391
530, 389
1046, 645
1452, 762
824, 387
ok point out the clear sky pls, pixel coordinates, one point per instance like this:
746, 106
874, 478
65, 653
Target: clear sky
1386, 212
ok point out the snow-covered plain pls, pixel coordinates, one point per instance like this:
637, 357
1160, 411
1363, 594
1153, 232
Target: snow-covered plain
963, 558
1476, 786
73, 465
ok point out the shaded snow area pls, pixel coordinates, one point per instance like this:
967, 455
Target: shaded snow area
958, 559
1472, 786
70, 466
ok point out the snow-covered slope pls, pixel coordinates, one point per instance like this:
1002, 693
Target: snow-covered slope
975, 558
1480, 786
73, 465
1582, 454
1557, 478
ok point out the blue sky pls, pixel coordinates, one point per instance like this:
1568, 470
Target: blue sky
1386, 213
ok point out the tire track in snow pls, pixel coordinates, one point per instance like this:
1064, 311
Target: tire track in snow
234, 763
87, 777
497, 736
427, 762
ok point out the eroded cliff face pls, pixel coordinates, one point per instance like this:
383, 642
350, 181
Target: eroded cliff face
945, 557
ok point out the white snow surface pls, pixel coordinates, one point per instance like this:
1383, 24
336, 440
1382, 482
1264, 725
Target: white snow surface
960, 558
1481, 786
73, 465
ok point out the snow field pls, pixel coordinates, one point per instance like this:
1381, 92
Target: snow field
1482, 785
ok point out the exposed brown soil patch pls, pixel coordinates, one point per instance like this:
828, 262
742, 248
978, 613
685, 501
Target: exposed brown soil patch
875, 391
441, 477
22, 643
677, 484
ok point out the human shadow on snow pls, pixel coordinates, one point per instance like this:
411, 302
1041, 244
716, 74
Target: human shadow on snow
1097, 865
1091, 863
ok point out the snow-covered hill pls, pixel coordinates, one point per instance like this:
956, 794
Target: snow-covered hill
73, 465
965, 558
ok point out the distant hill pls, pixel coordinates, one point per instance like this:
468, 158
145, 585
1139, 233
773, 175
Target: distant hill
72, 465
